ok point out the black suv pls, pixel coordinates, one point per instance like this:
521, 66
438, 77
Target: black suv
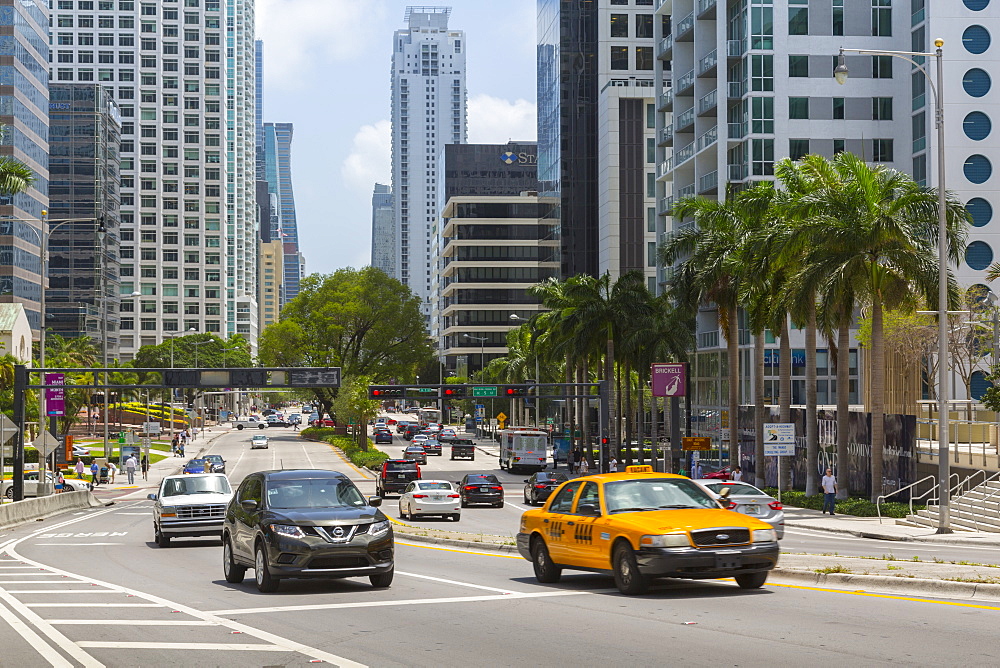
481, 488
538, 487
395, 475
305, 524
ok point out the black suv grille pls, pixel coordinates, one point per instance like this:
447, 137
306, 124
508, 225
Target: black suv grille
338, 562
723, 536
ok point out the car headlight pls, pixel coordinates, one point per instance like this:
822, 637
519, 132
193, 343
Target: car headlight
289, 530
168, 512
765, 535
666, 540
379, 528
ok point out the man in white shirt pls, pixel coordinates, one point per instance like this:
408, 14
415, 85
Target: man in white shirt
697, 471
130, 466
613, 465
829, 484
737, 475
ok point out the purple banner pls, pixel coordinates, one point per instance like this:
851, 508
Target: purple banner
55, 397
669, 380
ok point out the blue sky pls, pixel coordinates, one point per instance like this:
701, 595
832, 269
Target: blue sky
326, 69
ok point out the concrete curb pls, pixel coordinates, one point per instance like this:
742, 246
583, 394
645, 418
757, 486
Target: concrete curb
968, 541
468, 544
43, 507
908, 586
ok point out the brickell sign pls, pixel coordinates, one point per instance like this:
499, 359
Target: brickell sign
669, 380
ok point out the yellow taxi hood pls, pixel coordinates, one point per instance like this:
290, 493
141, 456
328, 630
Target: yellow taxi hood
668, 521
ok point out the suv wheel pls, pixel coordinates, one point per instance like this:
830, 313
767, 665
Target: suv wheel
234, 572
382, 580
628, 579
265, 583
161, 540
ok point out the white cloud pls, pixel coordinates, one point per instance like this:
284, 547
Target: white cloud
303, 39
494, 120
369, 161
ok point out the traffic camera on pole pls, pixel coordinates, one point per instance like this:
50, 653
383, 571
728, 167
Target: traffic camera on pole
385, 391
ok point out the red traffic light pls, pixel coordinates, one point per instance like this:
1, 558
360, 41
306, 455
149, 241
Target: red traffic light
377, 393
514, 392
605, 440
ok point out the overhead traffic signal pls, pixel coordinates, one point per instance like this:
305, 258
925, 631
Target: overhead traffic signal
454, 391
515, 391
385, 391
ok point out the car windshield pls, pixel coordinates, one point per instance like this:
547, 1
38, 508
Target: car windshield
195, 463
735, 488
202, 485
655, 494
213, 458
434, 485
482, 478
313, 493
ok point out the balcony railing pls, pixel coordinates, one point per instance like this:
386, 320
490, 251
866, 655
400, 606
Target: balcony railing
708, 138
667, 135
684, 120
738, 172
708, 102
686, 191
705, 5
667, 100
683, 154
666, 204
685, 82
708, 63
665, 47
708, 339
737, 130
737, 89
735, 48
684, 27
708, 182
665, 167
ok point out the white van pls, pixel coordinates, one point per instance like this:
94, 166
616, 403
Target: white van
523, 449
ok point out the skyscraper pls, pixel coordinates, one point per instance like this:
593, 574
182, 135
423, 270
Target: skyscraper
384, 247
428, 111
188, 218
278, 171
259, 109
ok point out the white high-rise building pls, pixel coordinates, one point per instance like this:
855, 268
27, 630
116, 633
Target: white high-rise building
183, 77
428, 111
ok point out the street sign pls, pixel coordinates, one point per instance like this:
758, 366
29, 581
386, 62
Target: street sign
480, 412
7, 428
46, 443
55, 397
779, 439
696, 443
151, 428
669, 380
501, 416
484, 391
493, 421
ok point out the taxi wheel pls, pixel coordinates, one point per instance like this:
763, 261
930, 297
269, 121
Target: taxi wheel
751, 580
545, 571
628, 579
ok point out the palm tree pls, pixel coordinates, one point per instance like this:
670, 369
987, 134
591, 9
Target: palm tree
15, 176
873, 234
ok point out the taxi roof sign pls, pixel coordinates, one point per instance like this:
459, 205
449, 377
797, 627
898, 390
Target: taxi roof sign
645, 468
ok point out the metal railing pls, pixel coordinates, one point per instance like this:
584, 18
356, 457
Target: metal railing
708, 181
684, 26
667, 134
684, 154
666, 204
735, 48
666, 44
684, 120
667, 99
736, 89
708, 102
737, 130
881, 499
739, 172
708, 62
708, 138
705, 5
686, 191
685, 82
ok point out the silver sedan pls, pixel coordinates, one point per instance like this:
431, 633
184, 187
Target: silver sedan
747, 499
430, 497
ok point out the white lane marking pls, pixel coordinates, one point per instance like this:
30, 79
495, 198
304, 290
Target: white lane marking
19, 567
305, 451
456, 582
133, 622
412, 601
514, 505
61, 591
50, 631
142, 514
183, 645
92, 604
34, 640
43, 582
79, 544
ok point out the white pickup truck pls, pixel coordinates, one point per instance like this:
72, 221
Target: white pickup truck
252, 422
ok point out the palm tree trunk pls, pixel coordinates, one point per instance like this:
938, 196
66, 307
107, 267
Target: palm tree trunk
628, 413
843, 405
812, 426
785, 398
570, 404
758, 411
584, 404
878, 400
609, 375
640, 418
620, 451
733, 345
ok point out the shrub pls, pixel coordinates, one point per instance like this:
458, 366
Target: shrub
856, 506
371, 458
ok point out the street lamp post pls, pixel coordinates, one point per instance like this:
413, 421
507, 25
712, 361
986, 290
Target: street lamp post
840, 73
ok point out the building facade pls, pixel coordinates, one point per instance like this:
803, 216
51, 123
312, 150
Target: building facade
82, 299
24, 104
278, 172
272, 263
384, 246
184, 84
428, 111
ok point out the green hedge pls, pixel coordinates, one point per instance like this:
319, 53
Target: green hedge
372, 458
857, 506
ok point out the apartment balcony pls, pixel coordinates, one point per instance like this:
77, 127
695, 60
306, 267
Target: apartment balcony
704, 7
739, 172
706, 103
684, 30
686, 191
666, 101
736, 89
708, 339
707, 138
683, 121
685, 83
666, 205
665, 167
737, 131
707, 65
683, 154
665, 48
735, 48
709, 183
666, 136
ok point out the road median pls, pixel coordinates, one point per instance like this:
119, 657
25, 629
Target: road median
43, 507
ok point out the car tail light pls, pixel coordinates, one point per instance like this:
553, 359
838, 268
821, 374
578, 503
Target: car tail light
500, 488
454, 496
541, 486
774, 505
517, 459
419, 496
469, 488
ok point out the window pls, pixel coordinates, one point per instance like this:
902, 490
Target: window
762, 115
644, 26
838, 17
762, 25
797, 148
881, 18
882, 150
761, 72
798, 107
838, 108
881, 108
762, 157
881, 67
798, 66
619, 25
798, 17
619, 57
644, 58
650, 253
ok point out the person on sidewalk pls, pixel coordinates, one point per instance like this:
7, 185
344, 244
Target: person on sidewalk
697, 471
130, 466
737, 475
145, 467
584, 466
79, 468
94, 471
613, 465
112, 470
829, 484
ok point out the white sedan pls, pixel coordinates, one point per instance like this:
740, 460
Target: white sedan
258, 441
430, 497
31, 484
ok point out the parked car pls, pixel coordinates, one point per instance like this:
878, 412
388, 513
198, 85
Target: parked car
217, 463
430, 497
190, 505
415, 453
259, 441
197, 465
481, 488
540, 485
749, 500
720, 474
383, 436
325, 422
31, 484
395, 475
305, 524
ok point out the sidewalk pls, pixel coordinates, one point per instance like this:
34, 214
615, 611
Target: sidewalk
869, 527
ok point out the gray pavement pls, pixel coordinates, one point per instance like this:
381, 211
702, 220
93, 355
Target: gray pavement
886, 529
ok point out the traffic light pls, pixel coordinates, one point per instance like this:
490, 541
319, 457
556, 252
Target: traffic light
385, 391
605, 440
515, 391
454, 391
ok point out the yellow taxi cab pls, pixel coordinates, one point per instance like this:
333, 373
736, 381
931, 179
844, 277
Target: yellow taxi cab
642, 525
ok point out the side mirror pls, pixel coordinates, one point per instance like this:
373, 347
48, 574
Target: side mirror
588, 509
151, 497
249, 505
526, 480
374, 501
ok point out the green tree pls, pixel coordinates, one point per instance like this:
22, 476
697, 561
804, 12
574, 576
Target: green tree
202, 350
353, 405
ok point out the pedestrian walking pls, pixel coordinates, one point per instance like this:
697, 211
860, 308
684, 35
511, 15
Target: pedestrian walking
174, 443
584, 466
577, 456
697, 470
145, 467
94, 471
829, 484
79, 468
60, 482
194, 433
613, 465
130, 466
112, 470
737, 475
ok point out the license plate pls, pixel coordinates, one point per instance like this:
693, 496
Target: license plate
401, 476
436, 497
751, 510
728, 561
484, 489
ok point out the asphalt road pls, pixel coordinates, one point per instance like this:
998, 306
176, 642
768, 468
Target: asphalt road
91, 588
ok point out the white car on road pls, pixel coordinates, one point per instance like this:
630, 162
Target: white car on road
31, 484
430, 497
259, 441
190, 505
